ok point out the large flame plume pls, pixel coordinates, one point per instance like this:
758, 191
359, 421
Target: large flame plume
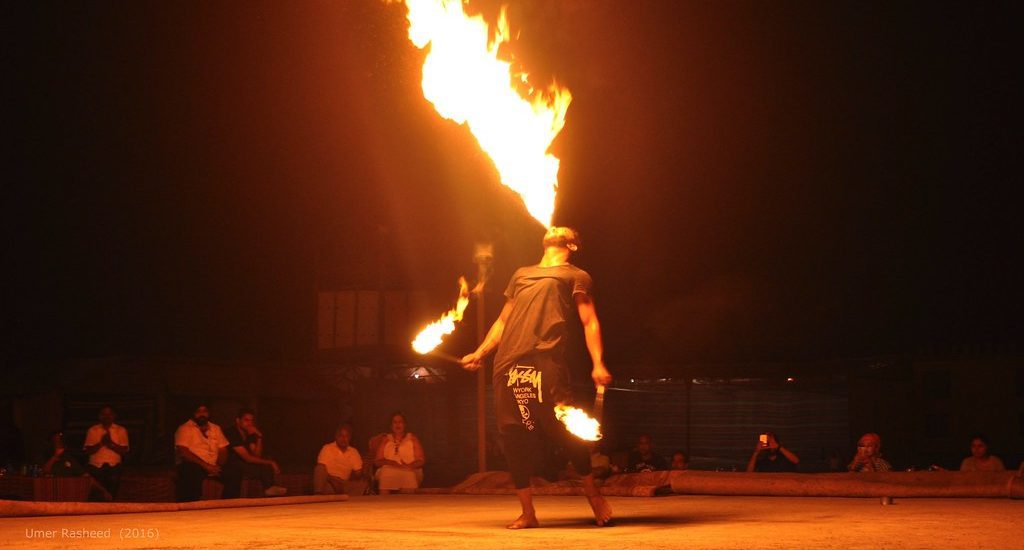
578, 423
430, 337
514, 122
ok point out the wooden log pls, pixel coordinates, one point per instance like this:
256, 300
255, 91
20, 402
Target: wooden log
875, 484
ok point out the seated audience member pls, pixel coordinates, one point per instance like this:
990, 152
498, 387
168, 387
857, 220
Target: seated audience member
770, 456
63, 463
106, 444
245, 458
60, 461
399, 458
338, 465
200, 449
869, 455
830, 461
643, 459
980, 459
679, 461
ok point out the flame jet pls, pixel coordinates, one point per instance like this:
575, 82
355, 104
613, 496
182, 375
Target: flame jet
431, 336
467, 83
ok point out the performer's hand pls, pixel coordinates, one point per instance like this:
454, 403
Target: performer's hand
601, 375
275, 467
471, 361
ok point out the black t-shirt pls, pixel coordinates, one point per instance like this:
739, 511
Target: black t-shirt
542, 303
780, 464
236, 438
637, 463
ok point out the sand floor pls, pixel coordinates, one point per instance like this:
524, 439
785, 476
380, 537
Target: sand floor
453, 522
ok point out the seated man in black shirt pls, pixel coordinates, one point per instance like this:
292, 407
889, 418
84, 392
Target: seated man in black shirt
643, 459
60, 461
245, 460
770, 456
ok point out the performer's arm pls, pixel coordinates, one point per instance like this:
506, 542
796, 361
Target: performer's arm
592, 333
472, 360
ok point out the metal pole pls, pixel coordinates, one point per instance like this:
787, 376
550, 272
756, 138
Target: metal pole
483, 257
689, 413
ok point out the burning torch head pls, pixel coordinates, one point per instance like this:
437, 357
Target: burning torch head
578, 423
562, 237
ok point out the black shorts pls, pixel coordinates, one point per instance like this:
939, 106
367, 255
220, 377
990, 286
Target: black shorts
528, 392
525, 398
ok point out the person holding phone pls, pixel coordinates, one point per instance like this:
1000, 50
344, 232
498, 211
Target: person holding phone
869, 455
770, 456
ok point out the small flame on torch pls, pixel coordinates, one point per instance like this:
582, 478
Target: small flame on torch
578, 422
431, 336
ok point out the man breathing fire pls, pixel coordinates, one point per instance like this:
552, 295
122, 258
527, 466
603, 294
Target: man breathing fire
530, 371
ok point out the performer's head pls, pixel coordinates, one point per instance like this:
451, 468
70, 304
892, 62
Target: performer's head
562, 237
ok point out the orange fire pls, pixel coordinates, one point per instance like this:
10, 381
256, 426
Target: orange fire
578, 423
430, 337
514, 122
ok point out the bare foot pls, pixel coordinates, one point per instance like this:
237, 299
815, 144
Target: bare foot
602, 510
524, 522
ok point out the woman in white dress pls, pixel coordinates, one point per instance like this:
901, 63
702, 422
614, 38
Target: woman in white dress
399, 458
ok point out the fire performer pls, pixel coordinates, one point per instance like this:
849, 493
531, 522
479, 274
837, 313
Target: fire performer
530, 371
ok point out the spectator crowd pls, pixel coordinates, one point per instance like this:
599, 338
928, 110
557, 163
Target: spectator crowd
394, 458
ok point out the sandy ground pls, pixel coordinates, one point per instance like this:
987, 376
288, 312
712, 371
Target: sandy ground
454, 522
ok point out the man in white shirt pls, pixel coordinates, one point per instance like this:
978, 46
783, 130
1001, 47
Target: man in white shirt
339, 467
200, 449
106, 444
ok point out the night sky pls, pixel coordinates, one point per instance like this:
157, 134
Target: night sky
753, 180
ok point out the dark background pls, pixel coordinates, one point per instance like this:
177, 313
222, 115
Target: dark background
754, 181
799, 217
